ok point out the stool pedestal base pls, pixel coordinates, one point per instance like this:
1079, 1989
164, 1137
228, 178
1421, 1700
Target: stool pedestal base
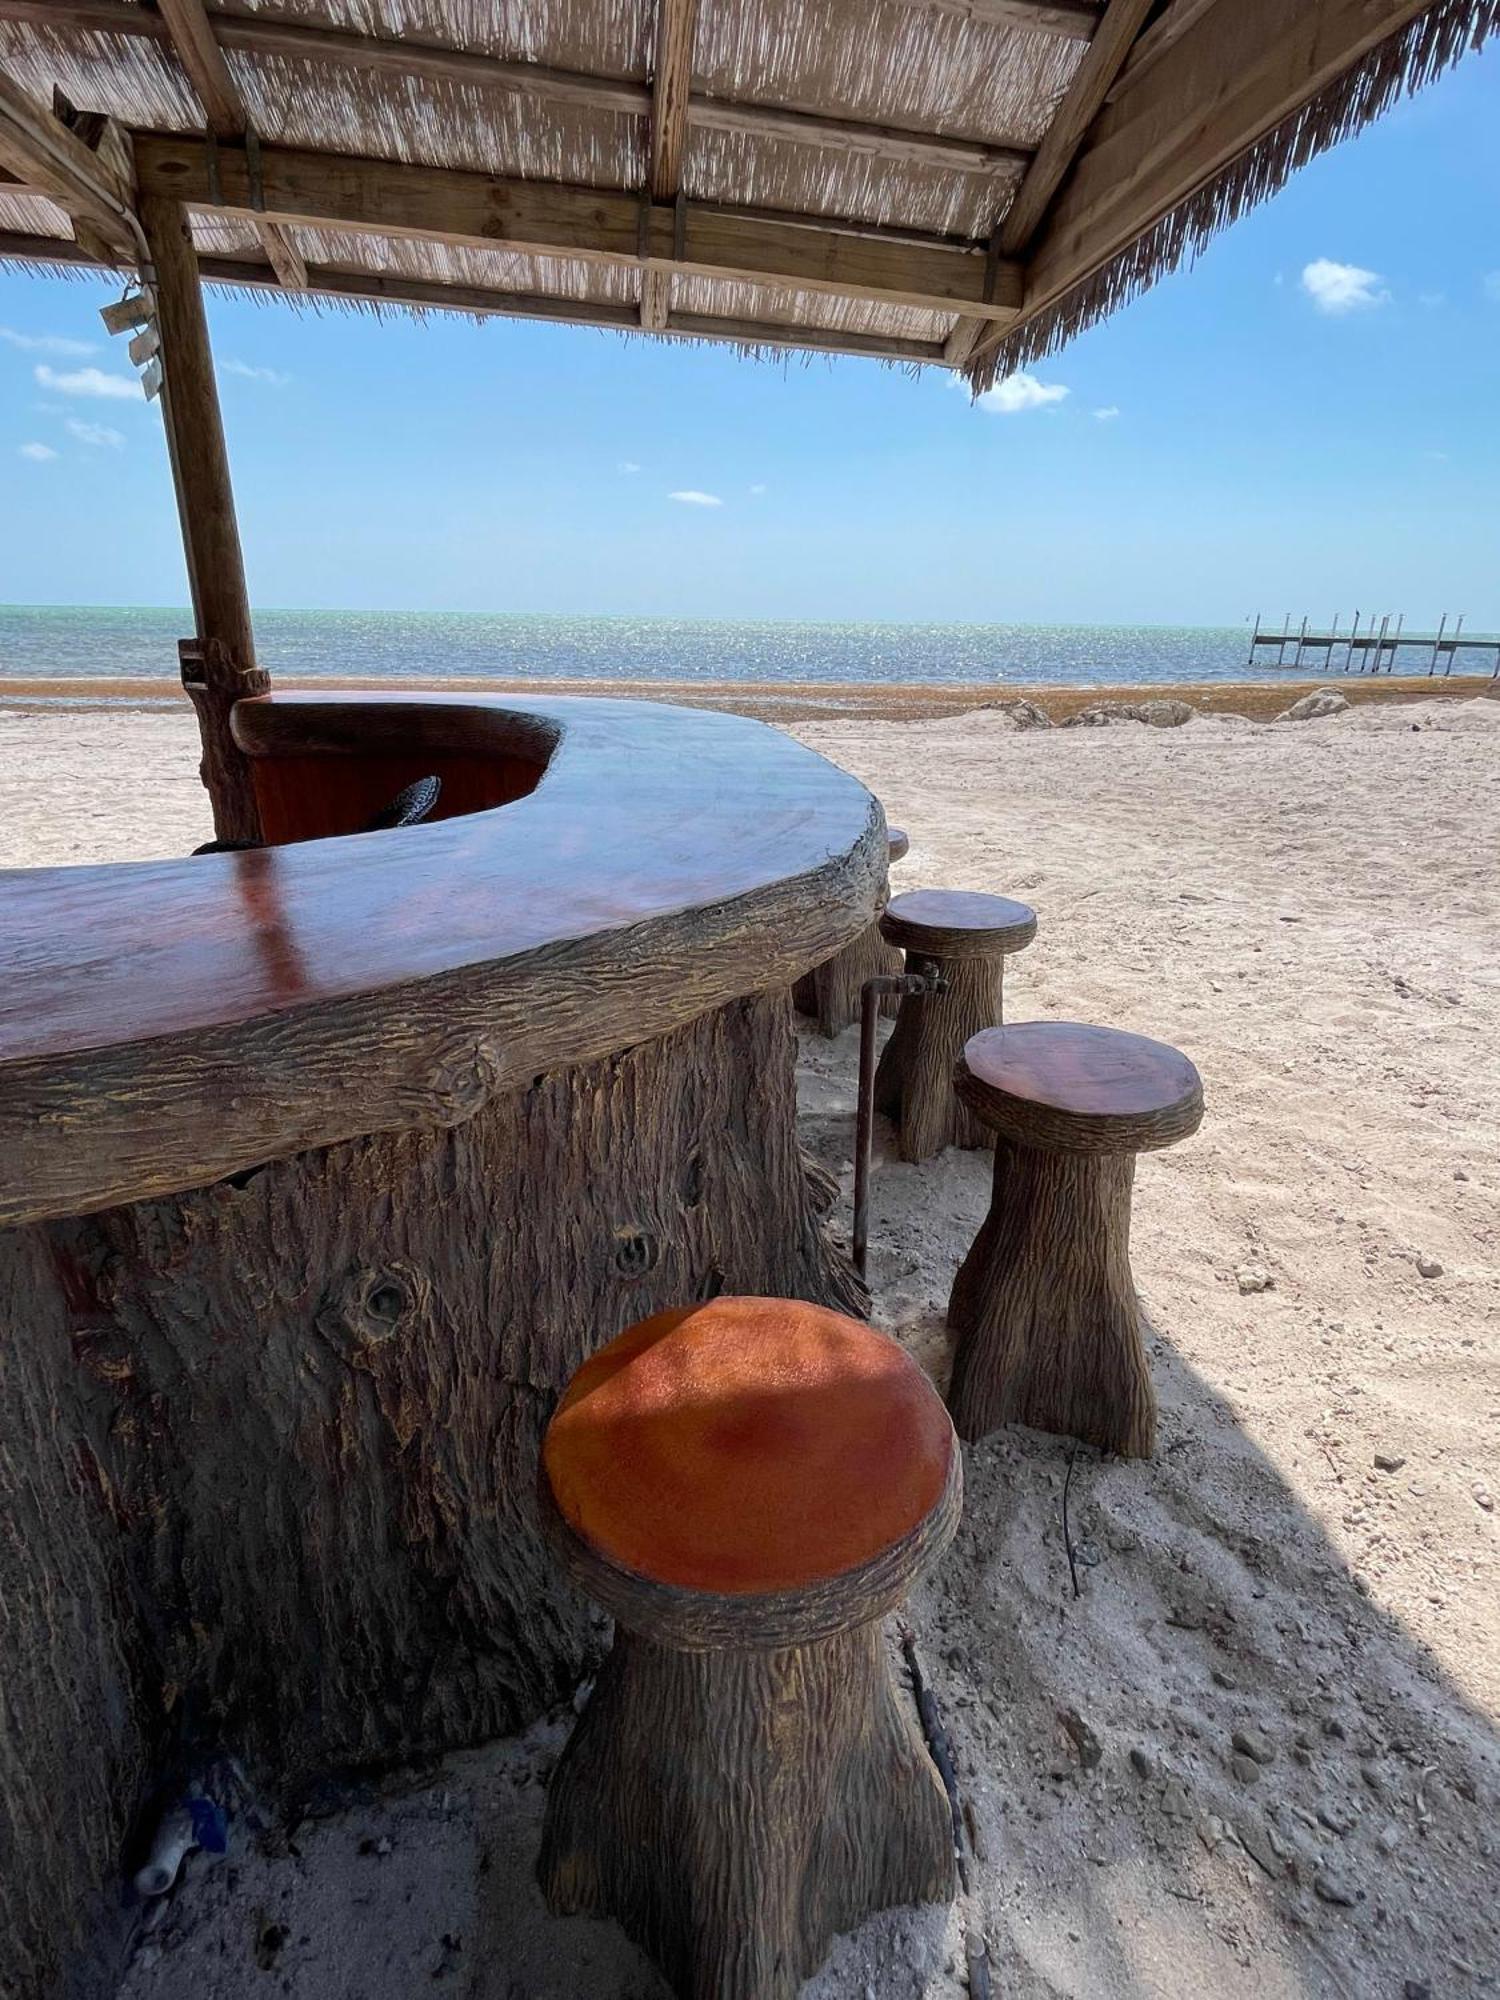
830, 994
1045, 1308
735, 1810
914, 1082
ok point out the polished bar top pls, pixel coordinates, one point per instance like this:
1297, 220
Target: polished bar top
166, 1023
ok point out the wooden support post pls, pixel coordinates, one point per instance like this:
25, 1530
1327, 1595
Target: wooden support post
220, 667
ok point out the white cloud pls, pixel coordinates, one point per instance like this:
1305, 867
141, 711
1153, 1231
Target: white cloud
40, 452
1020, 392
273, 376
627, 465
1341, 288
45, 343
691, 497
95, 434
1108, 414
1491, 283
757, 490
88, 382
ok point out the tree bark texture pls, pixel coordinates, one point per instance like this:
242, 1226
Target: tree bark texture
735, 1810
914, 1080
1045, 1308
269, 1448
830, 994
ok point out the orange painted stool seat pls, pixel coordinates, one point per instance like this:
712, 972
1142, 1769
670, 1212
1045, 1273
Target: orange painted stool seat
748, 1486
963, 937
830, 993
1044, 1304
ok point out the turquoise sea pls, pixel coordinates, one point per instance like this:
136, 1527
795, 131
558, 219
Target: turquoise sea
58, 642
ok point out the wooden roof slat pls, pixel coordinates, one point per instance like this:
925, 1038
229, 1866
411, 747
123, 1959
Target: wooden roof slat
192, 36
376, 288
855, 135
295, 40
671, 90
382, 198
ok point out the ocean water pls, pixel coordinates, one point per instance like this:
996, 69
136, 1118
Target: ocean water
59, 642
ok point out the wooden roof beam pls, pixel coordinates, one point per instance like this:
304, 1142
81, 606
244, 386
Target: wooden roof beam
671, 92
40, 151
1076, 19
384, 198
1073, 19
192, 36
1230, 77
266, 35
1092, 81
336, 282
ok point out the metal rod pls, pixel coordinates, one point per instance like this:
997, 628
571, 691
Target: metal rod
864, 1132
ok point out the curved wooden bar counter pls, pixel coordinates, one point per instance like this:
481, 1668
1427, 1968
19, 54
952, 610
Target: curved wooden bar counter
325, 1166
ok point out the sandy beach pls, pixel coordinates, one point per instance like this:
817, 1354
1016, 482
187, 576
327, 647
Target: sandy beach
1311, 1561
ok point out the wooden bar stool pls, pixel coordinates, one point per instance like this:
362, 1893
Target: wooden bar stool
1044, 1304
830, 992
965, 938
747, 1486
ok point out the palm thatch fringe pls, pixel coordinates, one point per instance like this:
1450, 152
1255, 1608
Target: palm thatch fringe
1405, 62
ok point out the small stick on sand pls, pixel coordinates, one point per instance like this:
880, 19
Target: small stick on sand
940, 1744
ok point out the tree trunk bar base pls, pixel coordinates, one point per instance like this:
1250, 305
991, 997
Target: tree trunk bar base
1044, 1305
747, 1488
322, 1169
830, 994
966, 939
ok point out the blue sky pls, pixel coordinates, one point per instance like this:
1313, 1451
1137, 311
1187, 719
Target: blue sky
1283, 439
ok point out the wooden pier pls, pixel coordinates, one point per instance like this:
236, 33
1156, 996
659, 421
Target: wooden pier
1375, 649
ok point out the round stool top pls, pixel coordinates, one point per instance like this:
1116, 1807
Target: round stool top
747, 1446
1061, 1086
898, 843
957, 923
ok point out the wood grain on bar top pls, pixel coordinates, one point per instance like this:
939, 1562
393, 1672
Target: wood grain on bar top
165, 1023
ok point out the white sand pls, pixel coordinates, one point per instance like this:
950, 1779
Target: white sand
1312, 911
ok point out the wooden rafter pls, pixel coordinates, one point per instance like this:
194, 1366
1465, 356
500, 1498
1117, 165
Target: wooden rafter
1230, 77
1168, 27
340, 282
192, 36
1121, 23
1080, 106
1075, 18
295, 40
40, 151
671, 92
383, 198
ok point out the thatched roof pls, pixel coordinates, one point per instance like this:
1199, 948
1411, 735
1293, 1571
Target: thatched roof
966, 181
